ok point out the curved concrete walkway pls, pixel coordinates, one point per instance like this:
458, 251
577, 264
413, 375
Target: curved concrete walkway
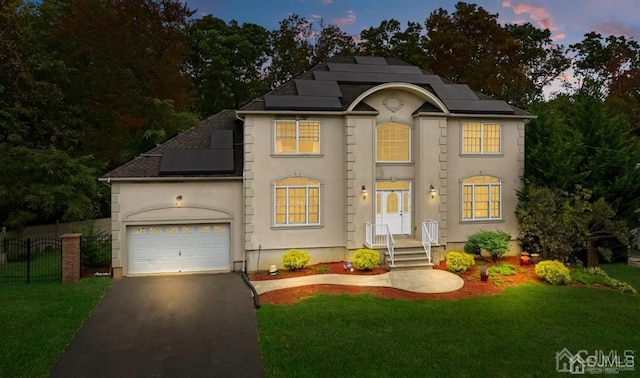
418, 280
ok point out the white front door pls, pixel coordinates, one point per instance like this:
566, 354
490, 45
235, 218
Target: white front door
393, 206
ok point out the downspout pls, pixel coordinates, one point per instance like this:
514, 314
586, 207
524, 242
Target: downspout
243, 274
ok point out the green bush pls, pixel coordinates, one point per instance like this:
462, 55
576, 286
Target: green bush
553, 271
295, 259
503, 269
459, 261
494, 242
366, 259
95, 246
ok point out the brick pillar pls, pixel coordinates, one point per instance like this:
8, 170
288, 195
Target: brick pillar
70, 258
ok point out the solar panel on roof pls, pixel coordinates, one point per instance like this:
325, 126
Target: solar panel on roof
221, 139
196, 161
454, 91
370, 60
478, 106
343, 67
318, 88
367, 77
301, 102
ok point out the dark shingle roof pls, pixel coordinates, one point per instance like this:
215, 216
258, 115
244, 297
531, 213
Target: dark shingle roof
197, 138
340, 80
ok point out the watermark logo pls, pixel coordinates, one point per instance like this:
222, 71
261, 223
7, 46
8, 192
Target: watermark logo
595, 362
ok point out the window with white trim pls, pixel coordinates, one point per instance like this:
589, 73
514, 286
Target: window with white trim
481, 198
297, 201
393, 142
481, 138
297, 137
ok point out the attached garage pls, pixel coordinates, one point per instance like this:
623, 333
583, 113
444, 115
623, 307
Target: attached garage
178, 248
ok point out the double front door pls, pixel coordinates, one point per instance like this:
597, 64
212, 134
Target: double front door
393, 206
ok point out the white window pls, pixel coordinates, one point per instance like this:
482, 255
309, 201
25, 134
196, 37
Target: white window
481, 138
481, 198
297, 201
393, 142
297, 137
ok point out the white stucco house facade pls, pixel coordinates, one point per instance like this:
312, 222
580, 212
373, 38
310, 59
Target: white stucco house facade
356, 152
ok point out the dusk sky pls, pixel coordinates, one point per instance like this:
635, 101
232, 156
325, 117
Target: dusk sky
568, 20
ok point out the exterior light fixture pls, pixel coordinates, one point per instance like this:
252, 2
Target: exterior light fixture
179, 201
364, 192
432, 190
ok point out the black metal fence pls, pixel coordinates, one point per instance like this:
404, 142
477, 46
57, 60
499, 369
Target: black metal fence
27, 260
95, 256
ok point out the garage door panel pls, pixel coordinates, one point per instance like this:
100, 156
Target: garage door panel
178, 248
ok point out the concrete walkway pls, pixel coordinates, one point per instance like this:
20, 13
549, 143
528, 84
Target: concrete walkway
418, 280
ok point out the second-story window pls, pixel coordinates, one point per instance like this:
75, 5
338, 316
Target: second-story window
393, 141
297, 137
481, 138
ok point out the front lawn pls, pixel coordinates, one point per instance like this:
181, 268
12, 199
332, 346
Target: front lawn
516, 333
38, 321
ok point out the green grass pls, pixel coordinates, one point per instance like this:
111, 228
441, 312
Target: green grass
516, 333
38, 321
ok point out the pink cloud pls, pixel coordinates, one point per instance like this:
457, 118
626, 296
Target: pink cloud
537, 13
345, 21
610, 28
357, 38
326, 2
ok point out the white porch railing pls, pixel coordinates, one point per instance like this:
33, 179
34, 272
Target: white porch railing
378, 235
429, 237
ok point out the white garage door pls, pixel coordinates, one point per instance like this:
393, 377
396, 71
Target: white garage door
178, 248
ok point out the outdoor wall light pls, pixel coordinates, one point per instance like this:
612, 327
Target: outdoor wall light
179, 201
364, 192
432, 190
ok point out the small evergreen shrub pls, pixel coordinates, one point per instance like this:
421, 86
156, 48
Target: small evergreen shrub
503, 269
494, 242
365, 259
295, 259
458, 262
553, 271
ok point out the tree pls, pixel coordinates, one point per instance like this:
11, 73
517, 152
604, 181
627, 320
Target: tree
389, 40
291, 50
125, 55
469, 46
226, 63
611, 67
331, 41
578, 140
542, 60
559, 224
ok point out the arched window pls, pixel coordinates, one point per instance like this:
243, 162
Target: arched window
297, 201
392, 203
393, 142
481, 198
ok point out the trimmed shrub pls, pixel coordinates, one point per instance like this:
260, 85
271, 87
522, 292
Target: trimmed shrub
503, 269
553, 271
494, 242
459, 261
365, 259
295, 259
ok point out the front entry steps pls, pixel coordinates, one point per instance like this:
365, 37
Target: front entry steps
407, 258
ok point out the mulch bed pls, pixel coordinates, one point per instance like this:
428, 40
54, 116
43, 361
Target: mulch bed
473, 286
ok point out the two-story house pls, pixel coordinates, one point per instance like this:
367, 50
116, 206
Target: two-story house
357, 151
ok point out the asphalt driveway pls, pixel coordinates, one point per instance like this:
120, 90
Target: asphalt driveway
168, 326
